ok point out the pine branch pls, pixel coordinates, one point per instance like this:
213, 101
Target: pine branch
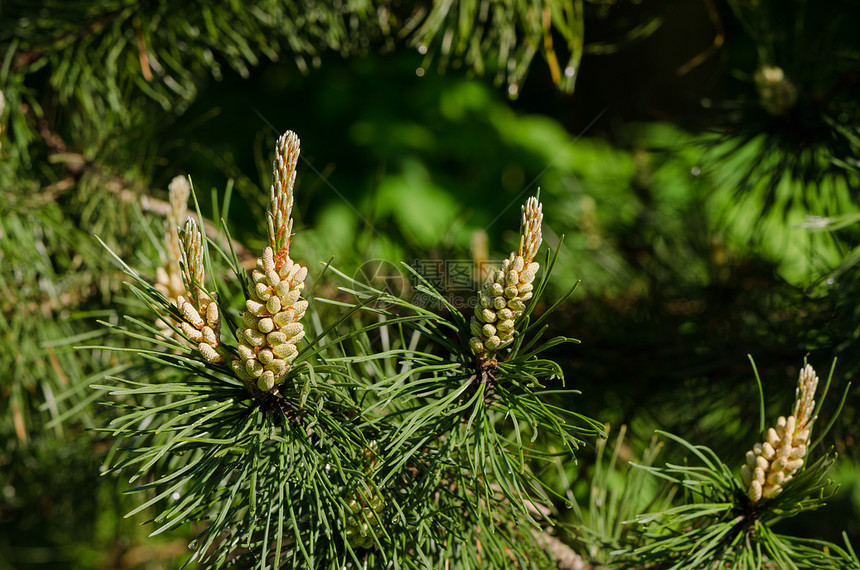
430, 433
720, 521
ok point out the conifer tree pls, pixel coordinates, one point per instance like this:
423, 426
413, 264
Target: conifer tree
245, 395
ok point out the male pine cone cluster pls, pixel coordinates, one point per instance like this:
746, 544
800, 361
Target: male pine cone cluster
502, 298
201, 322
274, 307
168, 277
267, 343
363, 520
181, 278
364, 516
772, 463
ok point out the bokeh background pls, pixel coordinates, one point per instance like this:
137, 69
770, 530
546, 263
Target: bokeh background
708, 216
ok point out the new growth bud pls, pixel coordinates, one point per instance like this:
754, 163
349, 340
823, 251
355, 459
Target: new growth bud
274, 307
199, 308
502, 298
168, 277
279, 214
774, 462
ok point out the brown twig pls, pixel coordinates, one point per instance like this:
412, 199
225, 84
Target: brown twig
719, 38
551, 59
77, 165
143, 55
18, 420
565, 557
58, 368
